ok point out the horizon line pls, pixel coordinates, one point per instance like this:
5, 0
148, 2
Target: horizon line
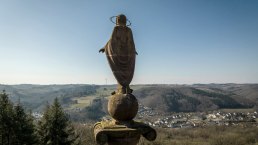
130, 84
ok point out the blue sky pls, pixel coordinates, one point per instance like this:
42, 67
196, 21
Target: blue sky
178, 41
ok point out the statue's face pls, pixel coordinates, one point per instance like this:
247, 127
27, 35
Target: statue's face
121, 20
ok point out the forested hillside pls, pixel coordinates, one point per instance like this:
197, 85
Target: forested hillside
36, 96
189, 98
163, 98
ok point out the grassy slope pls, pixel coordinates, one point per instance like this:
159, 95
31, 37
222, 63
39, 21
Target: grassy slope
212, 135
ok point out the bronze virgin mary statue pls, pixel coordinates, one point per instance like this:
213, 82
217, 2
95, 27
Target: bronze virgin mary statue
120, 52
122, 104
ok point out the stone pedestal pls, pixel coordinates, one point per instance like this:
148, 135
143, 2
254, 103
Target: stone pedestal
126, 133
122, 130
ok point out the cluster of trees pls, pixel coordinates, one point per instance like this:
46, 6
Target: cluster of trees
178, 102
19, 128
221, 100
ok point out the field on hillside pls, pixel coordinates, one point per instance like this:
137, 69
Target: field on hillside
101, 92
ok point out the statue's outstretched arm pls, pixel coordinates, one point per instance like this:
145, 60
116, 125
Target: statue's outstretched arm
102, 50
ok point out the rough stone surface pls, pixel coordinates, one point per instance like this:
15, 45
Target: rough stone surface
123, 107
125, 134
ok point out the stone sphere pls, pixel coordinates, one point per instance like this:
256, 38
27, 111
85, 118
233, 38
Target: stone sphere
123, 107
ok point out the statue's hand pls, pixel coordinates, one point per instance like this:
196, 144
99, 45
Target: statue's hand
102, 50
136, 53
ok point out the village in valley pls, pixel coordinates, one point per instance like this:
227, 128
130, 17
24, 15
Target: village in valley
197, 119
189, 119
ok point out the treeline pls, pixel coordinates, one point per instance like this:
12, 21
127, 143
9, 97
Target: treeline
20, 128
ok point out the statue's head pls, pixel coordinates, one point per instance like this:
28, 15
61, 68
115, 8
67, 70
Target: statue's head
121, 20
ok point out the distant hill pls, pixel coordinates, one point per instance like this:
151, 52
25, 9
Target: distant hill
198, 97
163, 98
35, 97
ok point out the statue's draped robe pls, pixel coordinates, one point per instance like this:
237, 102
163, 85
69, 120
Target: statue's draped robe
120, 52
